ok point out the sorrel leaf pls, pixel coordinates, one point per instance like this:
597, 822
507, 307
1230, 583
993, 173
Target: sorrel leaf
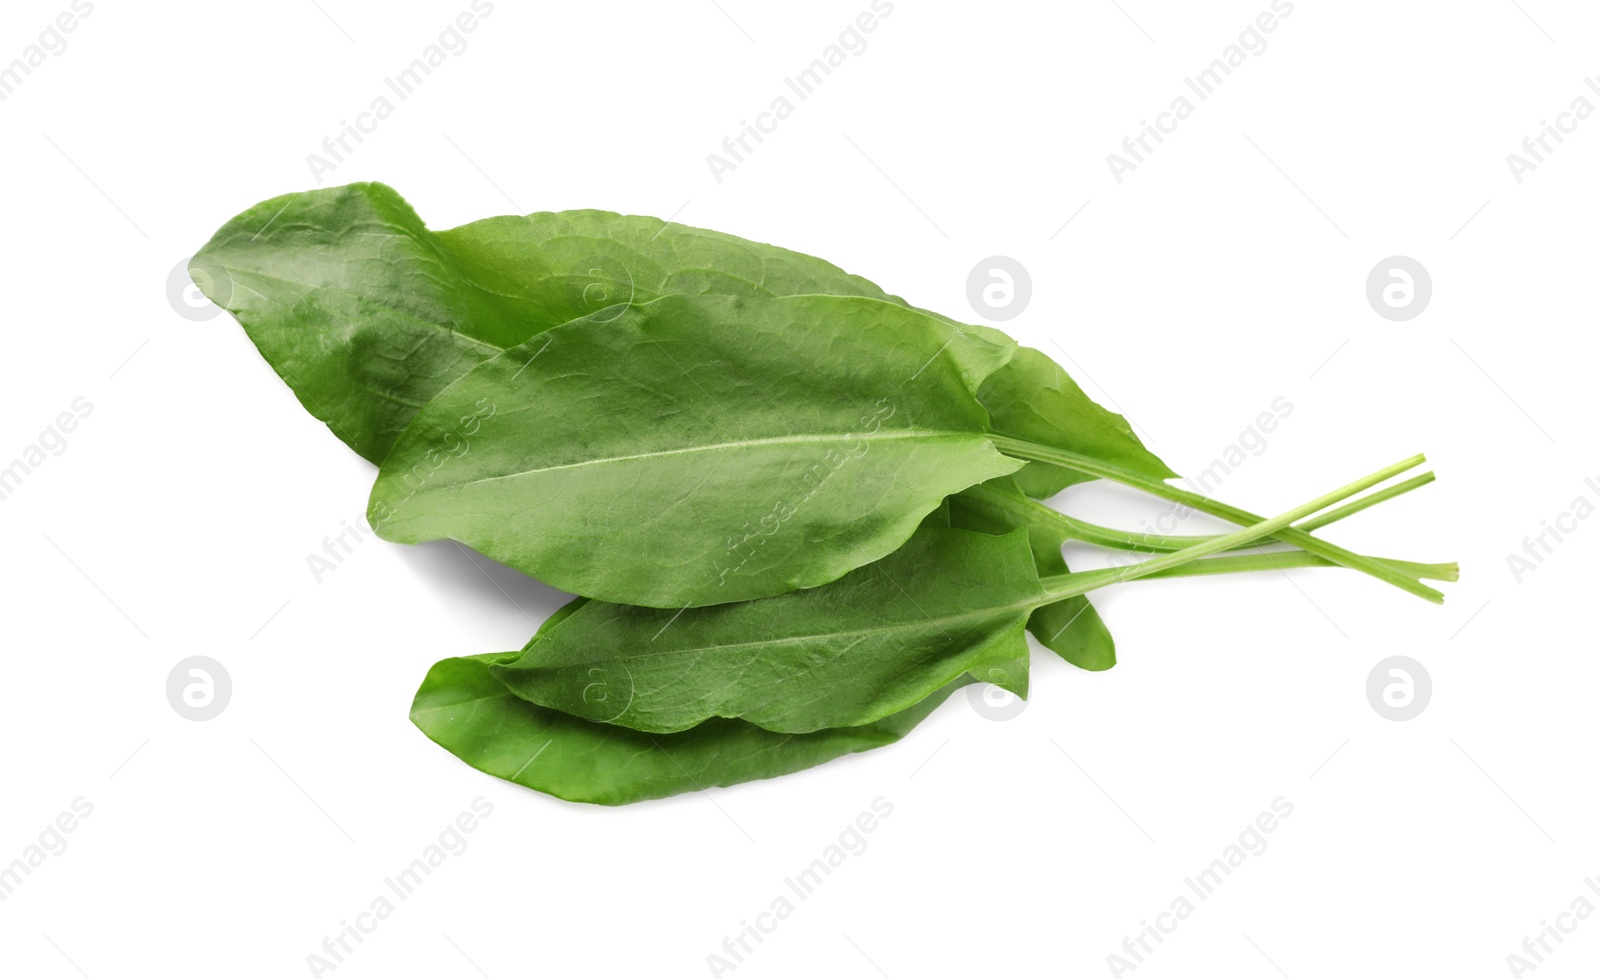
1071, 628
599, 469
354, 304
1034, 399
869, 644
863, 647
367, 314
469, 713
699, 449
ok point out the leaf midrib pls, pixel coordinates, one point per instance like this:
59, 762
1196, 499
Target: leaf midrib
988, 611
741, 443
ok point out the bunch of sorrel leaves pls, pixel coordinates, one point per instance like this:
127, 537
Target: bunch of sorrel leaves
798, 511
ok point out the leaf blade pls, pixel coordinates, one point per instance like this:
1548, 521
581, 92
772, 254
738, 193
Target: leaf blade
1071, 628
848, 653
1034, 399
340, 291
461, 707
367, 314
699, 450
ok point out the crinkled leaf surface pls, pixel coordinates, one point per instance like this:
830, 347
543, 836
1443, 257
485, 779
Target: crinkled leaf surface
367, 314
552, 267
848, 653
352, 301
699, 449
468, 712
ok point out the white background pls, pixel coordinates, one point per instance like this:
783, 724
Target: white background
1224, 272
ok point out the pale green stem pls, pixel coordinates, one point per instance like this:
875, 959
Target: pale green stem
1059, 587
1298, 538
1129, 540
1285, 560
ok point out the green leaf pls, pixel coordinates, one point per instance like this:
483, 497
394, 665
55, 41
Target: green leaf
354, 304
848, 653
367, 314
465, 710
557, 266
699, 450
1071, 628
1035, 400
